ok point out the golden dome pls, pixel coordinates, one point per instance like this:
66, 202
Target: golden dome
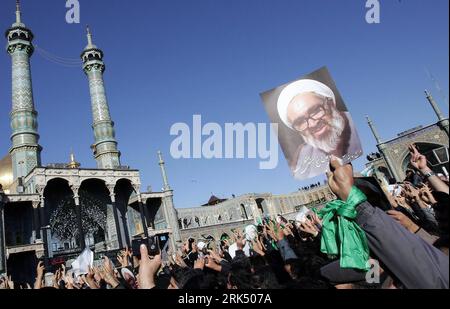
6, 172
73, 163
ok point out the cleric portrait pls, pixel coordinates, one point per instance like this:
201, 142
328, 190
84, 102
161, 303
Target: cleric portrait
308, 107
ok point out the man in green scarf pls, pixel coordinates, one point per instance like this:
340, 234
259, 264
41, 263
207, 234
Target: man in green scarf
415, 263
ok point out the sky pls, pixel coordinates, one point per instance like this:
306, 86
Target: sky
170, 59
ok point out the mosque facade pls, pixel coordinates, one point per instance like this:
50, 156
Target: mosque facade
58, 210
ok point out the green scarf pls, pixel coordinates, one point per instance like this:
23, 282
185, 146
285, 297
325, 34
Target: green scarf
341, 235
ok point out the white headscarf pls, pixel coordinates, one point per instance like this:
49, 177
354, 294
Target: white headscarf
251, 232
201, 245
296, 88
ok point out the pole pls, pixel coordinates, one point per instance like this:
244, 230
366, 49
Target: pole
2, 233
80, 223
144, 223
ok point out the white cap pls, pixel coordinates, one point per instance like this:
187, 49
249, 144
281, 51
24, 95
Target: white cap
301, 216
296, 88
201, 245
251, 232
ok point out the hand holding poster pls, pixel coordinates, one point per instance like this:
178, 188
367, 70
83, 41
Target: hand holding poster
313, 123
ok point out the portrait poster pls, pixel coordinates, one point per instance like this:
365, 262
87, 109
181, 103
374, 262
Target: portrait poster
313, 124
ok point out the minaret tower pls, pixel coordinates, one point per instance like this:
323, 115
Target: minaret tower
25, 150
170, 211
382, 148
105, 146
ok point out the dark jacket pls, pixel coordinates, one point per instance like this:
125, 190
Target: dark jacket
416, 264
285, 250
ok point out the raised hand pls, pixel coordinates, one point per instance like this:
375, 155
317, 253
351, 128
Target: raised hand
40, 275
315, 219
287, 231
258, 247
179, 261
275, 231
214, 255
340, 179
239, 239
411, 193
56, 278
309, 228
418, 160
427, 196
403, 220
40, 269
122, 257
90, 279
108, 273
9, 284
69, 282
199, 263
97, 274
148, 269
401, 201
212, 264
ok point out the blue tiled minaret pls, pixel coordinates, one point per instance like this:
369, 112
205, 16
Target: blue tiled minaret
25, 150
105, 146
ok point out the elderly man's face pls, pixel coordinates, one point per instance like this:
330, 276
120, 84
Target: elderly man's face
317, 120
309, 114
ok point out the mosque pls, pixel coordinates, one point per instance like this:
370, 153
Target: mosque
58, 210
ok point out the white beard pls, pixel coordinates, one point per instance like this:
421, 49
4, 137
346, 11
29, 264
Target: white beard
329, 143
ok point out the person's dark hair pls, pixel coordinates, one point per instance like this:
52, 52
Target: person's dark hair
276, 263
162, 282
257, 262
212, 280
241, 262
193, 280
265, 279
375, 196
309, 283
180, 275
240, 278
441, 211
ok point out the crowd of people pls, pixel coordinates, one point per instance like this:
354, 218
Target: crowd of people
359, 241
312, 186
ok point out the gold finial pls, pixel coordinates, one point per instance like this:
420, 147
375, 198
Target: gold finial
73, 163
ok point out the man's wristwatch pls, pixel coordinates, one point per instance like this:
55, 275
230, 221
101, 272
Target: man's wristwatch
429, 174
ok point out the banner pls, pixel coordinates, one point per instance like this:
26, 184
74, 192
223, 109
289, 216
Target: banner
313, 123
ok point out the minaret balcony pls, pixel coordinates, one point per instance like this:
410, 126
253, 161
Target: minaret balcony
19, 33
19, 44
91, 54
94, 65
